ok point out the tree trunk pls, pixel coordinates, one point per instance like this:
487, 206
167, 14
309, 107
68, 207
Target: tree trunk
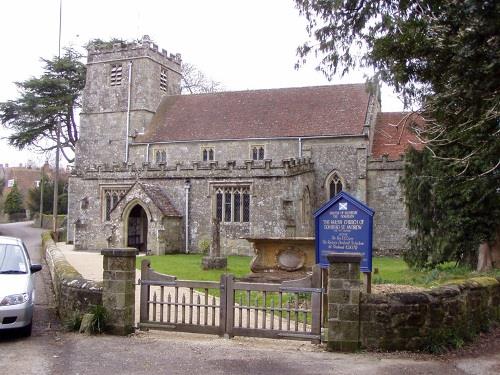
495, 250
484, 261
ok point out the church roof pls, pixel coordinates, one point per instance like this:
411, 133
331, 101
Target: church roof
393, 135
334, 110
160, 199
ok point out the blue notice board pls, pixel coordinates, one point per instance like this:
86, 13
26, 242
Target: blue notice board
344, 225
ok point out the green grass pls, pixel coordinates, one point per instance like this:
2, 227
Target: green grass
188, 266
390, 270
396, 271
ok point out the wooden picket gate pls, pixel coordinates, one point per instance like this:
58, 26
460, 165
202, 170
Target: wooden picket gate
290, 310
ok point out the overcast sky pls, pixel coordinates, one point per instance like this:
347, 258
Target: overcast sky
242, 44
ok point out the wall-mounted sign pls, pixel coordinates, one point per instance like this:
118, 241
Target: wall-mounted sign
344, 225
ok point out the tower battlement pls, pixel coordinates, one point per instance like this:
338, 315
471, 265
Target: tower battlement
143, 47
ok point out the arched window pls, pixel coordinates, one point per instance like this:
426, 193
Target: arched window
257, 152
108, 206
158, 157
164, 156
334, 184
261, 153
114, 201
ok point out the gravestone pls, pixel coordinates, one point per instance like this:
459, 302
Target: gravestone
214, 260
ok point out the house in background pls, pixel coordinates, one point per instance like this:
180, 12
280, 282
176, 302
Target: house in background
26, 177
153, 167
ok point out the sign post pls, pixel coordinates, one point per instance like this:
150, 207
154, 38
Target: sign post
345, 225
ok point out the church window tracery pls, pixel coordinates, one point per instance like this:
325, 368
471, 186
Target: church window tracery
207, 153
257, 152
335, 184
232, 204
111, 197
160, 157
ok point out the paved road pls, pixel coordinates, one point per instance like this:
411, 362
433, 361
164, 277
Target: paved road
52, 351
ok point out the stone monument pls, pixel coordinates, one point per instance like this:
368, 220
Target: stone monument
214, 260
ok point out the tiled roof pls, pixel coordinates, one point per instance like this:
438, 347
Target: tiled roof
160, 199
24, 178
393, 135
291, 112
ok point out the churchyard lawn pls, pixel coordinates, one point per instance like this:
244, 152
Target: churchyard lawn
387, 270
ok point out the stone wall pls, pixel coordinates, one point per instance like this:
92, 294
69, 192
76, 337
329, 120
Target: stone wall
276, 207
416, 321
73, 293
385, 195
103, 120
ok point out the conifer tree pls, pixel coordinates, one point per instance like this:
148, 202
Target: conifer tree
13, 201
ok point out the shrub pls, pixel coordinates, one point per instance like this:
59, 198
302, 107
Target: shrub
204, 246
73, 322
100, 316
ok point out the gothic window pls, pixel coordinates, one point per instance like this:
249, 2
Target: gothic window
232, 204
257, 152
108, 206
163, 80
160, 157
207, 153
116, 75
334, 184
111, 197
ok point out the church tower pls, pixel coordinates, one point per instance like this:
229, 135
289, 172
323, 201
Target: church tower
124, 86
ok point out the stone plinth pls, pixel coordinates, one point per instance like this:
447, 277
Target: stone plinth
343, 301
211, 263
119, 289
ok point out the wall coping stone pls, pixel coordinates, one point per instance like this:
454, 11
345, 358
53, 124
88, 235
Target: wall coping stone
344, 258
119, 252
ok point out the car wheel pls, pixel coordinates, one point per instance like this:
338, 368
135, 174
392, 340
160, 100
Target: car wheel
26, 331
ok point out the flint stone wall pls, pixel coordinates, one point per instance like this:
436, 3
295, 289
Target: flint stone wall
73, 292
413, 321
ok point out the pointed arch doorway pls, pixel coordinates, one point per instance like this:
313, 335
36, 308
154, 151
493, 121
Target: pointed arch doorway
137, 228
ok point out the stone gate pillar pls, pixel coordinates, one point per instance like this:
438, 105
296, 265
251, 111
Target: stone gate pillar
118, 296
343, 301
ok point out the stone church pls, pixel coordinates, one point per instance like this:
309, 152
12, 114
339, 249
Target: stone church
153, 167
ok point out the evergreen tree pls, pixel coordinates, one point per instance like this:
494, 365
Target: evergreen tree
44, 102
13, 201
443, 57
48, 197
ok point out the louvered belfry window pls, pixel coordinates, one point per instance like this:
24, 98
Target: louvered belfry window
116, 75
163, 80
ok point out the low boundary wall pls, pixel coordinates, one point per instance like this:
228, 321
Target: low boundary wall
437, 317
425, 320
73, 292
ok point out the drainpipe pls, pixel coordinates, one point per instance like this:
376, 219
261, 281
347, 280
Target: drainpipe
128, 108
300, 147
187, 186
147, 153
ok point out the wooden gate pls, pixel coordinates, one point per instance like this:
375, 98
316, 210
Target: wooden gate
290, 310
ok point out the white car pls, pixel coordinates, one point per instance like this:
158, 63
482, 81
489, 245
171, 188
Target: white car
17, 291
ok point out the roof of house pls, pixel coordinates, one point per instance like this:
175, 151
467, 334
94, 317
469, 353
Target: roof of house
24, 178
334, 110
393, 135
